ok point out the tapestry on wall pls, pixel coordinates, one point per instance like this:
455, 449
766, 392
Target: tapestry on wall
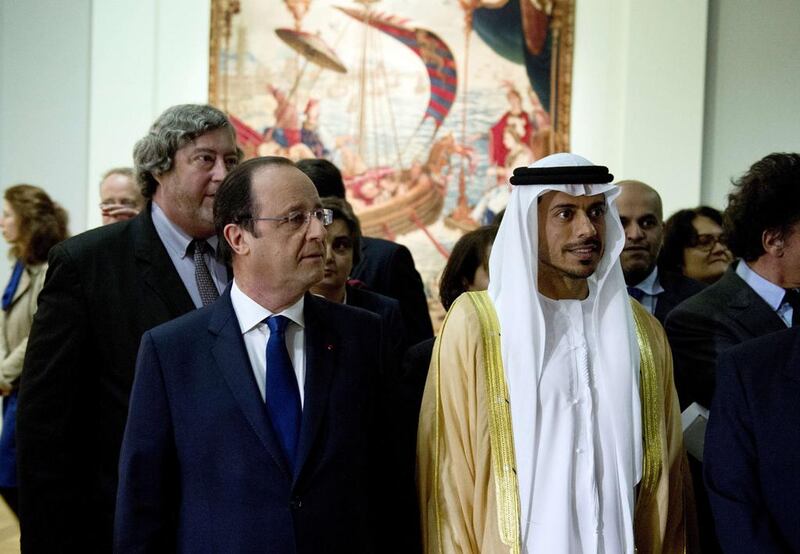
425, 105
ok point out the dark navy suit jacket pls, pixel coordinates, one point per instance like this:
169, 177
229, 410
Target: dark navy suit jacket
752, 449
720, 316
388, 268
201, 469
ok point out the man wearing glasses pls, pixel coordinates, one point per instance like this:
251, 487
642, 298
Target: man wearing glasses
252, 422
104, 289
120, 197
758, 293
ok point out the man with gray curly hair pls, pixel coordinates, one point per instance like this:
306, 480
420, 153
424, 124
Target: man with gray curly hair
104, 289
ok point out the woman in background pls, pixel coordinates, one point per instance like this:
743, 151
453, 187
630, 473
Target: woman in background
693, 245
31, 224
342, 252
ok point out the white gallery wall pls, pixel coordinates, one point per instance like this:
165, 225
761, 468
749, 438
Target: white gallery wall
678, 93
753, 98
45, 50
638, 92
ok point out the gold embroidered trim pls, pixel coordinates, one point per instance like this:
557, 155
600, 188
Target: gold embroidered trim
500, 431
437, 437
652, 412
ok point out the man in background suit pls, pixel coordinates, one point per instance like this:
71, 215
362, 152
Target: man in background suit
385, 267
231, 450
103, 290
642, 219
751, 455
757, 295
748, 301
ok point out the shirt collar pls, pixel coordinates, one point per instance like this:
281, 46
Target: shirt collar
250, 313
650, 284
174, 238
769, 291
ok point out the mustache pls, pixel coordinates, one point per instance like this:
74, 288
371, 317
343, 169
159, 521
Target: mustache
592, 243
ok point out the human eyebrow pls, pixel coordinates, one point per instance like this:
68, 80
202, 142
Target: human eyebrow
564, 206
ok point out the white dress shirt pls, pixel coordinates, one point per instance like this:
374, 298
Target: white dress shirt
651, 287
255, 332
177, 242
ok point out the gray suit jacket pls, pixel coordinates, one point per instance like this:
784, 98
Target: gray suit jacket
722, 315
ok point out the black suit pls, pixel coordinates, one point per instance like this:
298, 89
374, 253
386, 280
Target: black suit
202, 469
720, 316
388, 268
752, 448
104, 289
389, 310
677, 288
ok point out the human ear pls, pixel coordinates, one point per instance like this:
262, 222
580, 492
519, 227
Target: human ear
236, 238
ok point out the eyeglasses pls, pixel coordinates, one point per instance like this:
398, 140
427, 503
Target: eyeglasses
108, 204
707, 241
297, 220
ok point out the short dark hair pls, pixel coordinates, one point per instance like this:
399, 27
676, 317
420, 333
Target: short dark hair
233, 202
325, 176
468, 254
767, 197
175, 128
343, 210
679, 234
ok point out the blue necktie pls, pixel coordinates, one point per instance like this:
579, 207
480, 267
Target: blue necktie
282, 393
636, 294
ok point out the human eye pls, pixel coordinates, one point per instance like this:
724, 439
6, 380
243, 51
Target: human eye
564, 214
204, 160
705, 240
341, 245
597, 211
231, 162
648, 223
295, 220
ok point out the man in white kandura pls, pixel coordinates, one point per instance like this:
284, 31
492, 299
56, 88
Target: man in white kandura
550, 421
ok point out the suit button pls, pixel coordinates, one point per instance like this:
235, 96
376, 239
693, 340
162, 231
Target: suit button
295, 503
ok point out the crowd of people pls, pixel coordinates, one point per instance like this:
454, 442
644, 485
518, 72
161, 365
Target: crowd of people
229, 365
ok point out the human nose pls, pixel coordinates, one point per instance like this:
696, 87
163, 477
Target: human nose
316, 230
634, 232
584, 226
718, 246
220, 170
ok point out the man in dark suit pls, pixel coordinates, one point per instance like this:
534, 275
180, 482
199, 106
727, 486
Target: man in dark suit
756, 295
642, 219
229, 450
104, 289
384, 267
753, 297
751, 451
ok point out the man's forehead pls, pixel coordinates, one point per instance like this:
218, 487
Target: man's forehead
562, 198
285, 184
221, 139
638, 196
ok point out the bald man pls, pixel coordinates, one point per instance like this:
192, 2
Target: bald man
642, 219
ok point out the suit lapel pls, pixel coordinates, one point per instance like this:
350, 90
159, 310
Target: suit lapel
156, 267
749, 309
233, 362
321, 353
